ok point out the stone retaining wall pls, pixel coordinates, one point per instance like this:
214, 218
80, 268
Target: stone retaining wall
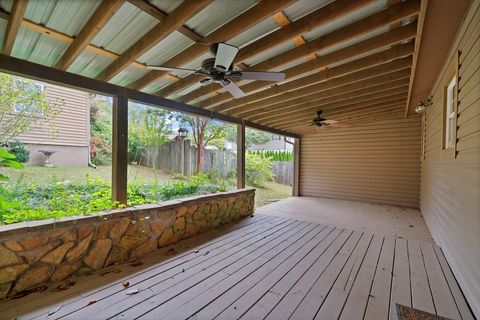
36, 253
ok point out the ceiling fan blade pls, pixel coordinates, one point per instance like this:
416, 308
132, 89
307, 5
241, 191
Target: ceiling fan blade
340, 125
263, 76
225, 55
164, 68
234, 90
329, 121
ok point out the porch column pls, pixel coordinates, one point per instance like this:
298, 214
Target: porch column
240, 156
296, 168
119, 149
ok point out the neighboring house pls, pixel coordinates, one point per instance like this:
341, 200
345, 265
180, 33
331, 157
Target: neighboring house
67, 135
277, 143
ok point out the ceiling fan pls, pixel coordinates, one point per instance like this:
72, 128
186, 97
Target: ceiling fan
220, 70
325, 124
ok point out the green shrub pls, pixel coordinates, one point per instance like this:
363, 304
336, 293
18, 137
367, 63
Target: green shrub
18, 149
257, 170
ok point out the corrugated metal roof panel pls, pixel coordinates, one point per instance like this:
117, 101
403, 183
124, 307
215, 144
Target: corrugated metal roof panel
157, 85
6, 5
304, 7
36, 47
256, 32
166, 49
347, 19
89, 64
217, 14
128, 76
271, 53
125, 28
166, 6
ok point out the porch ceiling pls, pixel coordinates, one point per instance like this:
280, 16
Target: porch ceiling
351, 59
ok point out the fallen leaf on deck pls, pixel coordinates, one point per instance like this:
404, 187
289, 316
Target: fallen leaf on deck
91, 302
136, 263
196, 251
54, 310
134, 291
125, 283
207, 252
171, 251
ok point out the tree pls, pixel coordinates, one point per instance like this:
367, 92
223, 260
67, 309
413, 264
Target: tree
22, 103
204, 131
252, 137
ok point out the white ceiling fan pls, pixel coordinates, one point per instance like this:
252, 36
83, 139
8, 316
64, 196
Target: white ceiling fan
220, 70
325, 124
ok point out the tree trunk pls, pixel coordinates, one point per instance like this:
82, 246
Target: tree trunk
200, 152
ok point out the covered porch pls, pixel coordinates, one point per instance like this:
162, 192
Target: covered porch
292, 259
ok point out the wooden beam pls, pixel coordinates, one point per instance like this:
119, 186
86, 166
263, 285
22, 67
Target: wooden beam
48, 74
308, 113
13, 25
329, 88
155, 12
296, 168
120, 149
339, 36
241, 176
241, 23
374, 43
175, 20
95, 24
288, 31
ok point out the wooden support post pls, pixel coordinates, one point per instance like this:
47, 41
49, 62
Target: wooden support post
296, 168
241, 156
120, 149
187, 164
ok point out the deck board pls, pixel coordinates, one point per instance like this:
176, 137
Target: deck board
266, 267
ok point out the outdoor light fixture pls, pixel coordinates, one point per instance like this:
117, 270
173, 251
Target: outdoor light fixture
421, 106
182, 133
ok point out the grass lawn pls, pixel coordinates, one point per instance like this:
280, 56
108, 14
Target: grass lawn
41, 175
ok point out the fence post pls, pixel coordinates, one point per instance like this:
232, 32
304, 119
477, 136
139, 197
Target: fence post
120, 149
186, 158
241, 156
296, 168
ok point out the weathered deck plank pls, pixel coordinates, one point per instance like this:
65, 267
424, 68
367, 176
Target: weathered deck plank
268, 267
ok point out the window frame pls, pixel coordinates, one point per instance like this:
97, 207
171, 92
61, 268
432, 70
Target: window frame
450, 76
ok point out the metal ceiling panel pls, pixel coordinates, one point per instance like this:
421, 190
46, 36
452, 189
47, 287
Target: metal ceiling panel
89, 64
166, 6
288, 45
256, 32
128, 76
217, 14
157, 85
166, 49
304, 7
125, 28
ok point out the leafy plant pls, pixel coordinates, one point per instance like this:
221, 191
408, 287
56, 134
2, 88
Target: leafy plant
18, 149
7, 159
257, 170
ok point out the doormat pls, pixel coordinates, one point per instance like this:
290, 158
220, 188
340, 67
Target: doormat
408, 313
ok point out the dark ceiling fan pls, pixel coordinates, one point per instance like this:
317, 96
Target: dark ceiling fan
325, 124
220, 70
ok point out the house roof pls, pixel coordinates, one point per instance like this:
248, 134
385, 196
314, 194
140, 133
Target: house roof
351, 59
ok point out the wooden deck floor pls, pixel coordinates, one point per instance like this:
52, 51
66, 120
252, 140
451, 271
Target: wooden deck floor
264, 267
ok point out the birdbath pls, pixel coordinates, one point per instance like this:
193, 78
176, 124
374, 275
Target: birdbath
47, 154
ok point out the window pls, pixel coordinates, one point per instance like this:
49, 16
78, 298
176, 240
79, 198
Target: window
450, 93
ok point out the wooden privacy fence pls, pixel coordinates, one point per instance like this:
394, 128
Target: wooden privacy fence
181, 157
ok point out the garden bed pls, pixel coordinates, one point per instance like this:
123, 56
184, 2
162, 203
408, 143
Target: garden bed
36, 253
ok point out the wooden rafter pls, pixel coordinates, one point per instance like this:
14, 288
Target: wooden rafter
337, 96
150, 9
13, 25
288, 32
175, 20
246, 20
97, 21
373, 22
377, 42
338, 85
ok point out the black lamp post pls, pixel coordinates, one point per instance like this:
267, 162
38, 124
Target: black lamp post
182, 133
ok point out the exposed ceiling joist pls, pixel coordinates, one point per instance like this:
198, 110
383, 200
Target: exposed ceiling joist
242, 22
363, 26
369, 45
172, 22
97, 21
288, 32
345, 84
150, 9
13, 25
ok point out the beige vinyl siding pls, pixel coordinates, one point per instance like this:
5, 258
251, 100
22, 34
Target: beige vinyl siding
377, 162
450, 188
70, 127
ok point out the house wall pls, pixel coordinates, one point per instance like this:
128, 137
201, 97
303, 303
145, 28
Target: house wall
377, 162
68, 134
450, 188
